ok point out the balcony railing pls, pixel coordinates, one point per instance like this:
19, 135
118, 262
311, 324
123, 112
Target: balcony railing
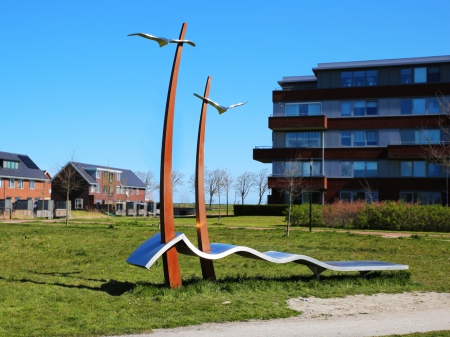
299, 115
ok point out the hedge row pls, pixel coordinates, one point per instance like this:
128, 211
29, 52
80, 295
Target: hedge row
275, 210
387, 215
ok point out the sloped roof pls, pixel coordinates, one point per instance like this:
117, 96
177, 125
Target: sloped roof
126, 175
27, 168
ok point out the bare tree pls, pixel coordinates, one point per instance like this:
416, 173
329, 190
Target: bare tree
244, 183
67, 181
148, 179
292, 184
370, 194
260, 182
438, 150
212, 183
177, 180
227, 182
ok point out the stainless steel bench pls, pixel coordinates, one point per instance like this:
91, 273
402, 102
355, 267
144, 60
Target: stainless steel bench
149, 251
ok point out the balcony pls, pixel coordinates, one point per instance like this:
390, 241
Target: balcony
318, 182
269, 154
281, 122
402, 151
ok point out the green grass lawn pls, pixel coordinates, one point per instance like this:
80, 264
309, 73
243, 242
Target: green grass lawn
74, 281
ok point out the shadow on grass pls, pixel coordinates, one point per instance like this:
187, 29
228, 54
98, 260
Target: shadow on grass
118, 288
111, 287
401, 277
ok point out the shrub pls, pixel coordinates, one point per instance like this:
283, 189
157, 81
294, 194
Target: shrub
274, 210
300, 215
342, 214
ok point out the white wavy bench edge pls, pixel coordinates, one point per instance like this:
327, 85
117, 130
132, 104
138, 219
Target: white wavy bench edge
152, 249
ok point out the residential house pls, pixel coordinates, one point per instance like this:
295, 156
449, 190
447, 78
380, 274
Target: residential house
22, 179
98, 186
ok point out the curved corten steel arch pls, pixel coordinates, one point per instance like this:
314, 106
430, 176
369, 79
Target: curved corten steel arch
200, 206
170, 258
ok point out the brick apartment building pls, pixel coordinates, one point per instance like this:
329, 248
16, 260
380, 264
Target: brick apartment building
100, 186
21, 179
361, 127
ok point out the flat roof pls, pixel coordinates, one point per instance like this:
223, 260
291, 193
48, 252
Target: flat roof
383, 63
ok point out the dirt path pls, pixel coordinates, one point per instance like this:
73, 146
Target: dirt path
352, 316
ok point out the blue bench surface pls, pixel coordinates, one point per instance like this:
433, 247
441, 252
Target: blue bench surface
149, 251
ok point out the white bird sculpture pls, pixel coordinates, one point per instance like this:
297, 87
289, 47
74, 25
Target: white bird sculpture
219, 107
162, 41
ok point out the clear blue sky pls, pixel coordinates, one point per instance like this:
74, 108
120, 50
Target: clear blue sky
70, 78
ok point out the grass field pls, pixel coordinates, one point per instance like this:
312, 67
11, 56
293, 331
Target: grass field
59, 280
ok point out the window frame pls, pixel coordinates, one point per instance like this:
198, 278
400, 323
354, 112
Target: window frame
355, 195
420, 136
415, 169
10, 165
365, 78
300, 107
350, 136
357, 114
31, 185
12, 183
429, 195
288, 139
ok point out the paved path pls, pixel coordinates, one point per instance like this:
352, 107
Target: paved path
378, 324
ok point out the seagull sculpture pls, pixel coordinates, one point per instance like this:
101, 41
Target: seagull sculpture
162, 41
219, 107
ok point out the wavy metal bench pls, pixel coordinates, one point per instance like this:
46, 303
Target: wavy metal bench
149, 251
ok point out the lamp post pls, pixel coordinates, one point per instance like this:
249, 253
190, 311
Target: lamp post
310, 194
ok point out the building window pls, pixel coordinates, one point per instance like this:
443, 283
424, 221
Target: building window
365, 169
296, 169
105, 189
97, 174
413, 169
423, 198
105, 175
92, 188
303, 109
117, 189
346, 169
421, 75
111, 177
303, 139
359, 108
1, 182
31, 184
118, 176
359, 169
369, 197
418, 137
78, 203
433, 75
11, 183
419, 169
405, 76
11, 165
433, 106
137, 191
346, 108
359, 138
434, 170
97, 188
359, 78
